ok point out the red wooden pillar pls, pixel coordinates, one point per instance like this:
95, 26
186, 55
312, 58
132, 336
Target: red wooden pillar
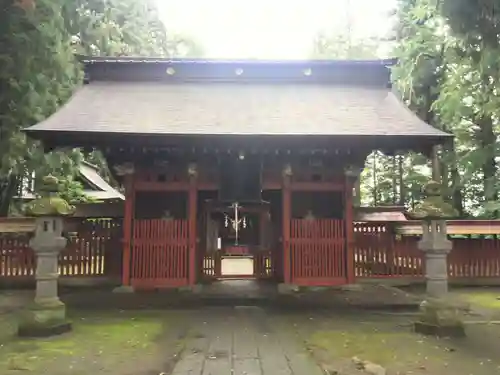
389, 238
128, 218
349, 228
287, 215
259, 259
192, 213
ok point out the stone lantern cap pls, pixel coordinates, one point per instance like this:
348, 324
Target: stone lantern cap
433, 206
49, 203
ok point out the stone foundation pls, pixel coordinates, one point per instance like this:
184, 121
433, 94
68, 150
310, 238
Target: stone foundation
43, 319
441, 317
288, 288
439, 331
124, 289
194, 289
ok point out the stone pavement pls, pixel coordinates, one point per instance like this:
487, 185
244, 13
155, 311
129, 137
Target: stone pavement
241, 341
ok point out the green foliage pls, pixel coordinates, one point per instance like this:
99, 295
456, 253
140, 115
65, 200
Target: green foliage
448, 72
38, 73
115, 27
50, 203
123, 28
341, 47
433, 206
72, 191
478, 22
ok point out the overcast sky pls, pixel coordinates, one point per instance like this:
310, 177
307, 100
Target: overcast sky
272, 29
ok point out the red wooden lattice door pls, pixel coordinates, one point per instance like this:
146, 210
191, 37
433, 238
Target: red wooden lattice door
160, 252
318, 252
209, 257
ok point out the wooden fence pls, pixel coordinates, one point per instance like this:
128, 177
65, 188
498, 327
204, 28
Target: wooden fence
318, 252
160, 253
381, 253
94, 250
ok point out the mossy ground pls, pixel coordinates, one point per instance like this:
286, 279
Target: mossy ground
8, 327
101, 342
389, 341
486, 298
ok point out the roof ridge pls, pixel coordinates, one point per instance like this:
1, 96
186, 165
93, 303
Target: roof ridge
169, 60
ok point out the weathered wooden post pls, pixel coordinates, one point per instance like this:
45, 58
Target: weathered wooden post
352, 176
439, 315
47, 315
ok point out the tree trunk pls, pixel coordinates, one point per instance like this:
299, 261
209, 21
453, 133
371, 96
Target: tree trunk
7, 190
394, 180
455, 183
487, 139
375, 188
357, 190
436, 173
402, 191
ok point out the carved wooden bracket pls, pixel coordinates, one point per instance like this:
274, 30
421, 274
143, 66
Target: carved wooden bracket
192, 170
124, 169
287, 170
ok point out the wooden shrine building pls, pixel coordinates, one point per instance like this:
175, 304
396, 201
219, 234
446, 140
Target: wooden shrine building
255, 158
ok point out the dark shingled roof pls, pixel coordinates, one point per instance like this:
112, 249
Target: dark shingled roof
236, 98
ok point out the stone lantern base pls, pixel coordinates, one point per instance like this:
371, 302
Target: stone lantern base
441, 317
44, 319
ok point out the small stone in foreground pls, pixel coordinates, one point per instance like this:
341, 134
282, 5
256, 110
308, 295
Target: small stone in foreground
374, 369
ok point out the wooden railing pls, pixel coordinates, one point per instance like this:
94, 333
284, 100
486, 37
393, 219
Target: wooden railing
95, 250
160, 253
380, 252
318, 252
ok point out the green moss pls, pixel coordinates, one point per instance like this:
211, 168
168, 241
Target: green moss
8, 327
488, 300
433, 206
395, 349
401, 351
108, 338
373, 346
49, 206
50, 203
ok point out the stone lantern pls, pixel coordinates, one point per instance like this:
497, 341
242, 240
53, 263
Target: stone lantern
439, 315
47, 314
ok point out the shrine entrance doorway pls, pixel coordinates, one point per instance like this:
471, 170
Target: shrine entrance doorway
236, 247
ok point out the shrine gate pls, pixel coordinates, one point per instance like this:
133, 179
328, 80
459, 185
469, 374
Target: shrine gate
243, 159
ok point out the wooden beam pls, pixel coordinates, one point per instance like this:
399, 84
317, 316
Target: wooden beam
192, 213
287, 215
214, 186
319, 186
349, 225
161, 186
17, 224
454, 227
128, 227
